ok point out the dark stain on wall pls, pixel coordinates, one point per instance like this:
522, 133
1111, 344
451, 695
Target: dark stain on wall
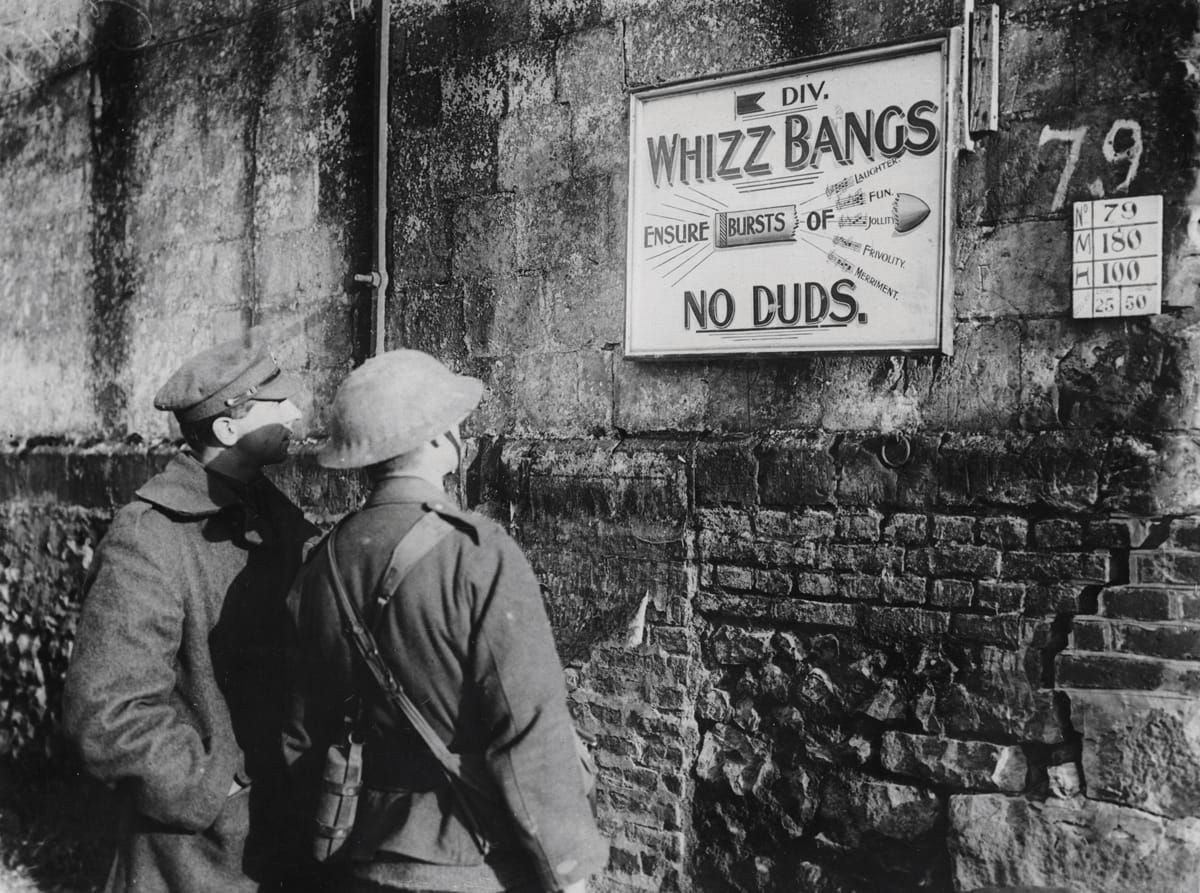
114, 103
347, 51
263, 49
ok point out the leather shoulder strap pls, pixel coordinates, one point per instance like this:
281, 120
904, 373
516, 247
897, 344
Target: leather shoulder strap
413, 546
368, 651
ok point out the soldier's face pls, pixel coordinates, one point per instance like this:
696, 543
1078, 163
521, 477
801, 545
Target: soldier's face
264, 433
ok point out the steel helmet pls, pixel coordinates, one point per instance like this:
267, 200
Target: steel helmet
393, 403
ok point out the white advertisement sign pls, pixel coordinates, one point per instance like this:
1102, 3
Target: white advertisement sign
802, 208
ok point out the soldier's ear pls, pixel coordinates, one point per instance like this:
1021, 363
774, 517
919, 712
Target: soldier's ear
225, 430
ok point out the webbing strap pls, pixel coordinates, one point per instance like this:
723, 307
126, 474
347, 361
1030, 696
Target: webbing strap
415, 544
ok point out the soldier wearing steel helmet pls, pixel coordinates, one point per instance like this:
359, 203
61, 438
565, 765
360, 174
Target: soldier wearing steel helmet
465, 634
175, 682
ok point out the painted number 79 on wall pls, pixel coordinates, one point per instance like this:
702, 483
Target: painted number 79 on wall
1116, 254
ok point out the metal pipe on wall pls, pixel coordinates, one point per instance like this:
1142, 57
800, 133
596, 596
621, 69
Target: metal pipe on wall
378, 277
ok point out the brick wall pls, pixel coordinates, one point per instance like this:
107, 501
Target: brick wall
973, 669
805, 667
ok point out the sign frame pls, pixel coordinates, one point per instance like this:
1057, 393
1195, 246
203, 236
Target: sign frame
938, 337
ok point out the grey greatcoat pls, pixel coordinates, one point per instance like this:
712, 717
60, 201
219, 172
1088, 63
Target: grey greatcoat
174, 686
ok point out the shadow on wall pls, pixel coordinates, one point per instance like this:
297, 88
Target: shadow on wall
57, 829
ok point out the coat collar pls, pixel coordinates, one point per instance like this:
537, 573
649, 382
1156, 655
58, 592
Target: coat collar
185, 487
406, 489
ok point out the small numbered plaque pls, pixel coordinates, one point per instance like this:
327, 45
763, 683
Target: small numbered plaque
1117, 257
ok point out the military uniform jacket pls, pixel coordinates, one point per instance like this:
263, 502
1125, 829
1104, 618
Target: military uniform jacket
467, 636
175, 684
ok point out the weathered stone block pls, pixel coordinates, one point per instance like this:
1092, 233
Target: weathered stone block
714, 705
591, 78
1056, 469
766, 609
796, 472
1108, 380
588, 479
1055, 598
1165, 566
1116, 533
1055, 566
994, 697
818, 585
734, 577
1141, 750
854, 805
1006, 842
432, 319
1000, 598
741, 764
532, 148
953, 529
570, 392
1080, 669
889, 704
796, 527
905, 590
1151, 602
1184, 534
485, 237
658, 397
1003, 532
979, 389
726, 473
1065, 781
765, 582
771, 582
952, 593
1059, 534
858, 527
956, 561
1174, 640
1001, 285
725, 523
565, 224
906, 529
863, 479
961, 765
718, 545
882, 560
581, 306
466, 151
897, 624
866, 481
1153, 476
808, 613
496, 317
1001, 629
655, 40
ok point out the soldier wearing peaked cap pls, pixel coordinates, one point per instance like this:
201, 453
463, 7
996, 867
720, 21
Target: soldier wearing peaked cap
466, 636
173, 693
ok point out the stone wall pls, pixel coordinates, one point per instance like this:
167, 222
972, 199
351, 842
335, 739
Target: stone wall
840, 623
834, 674
179, 174
974, 669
